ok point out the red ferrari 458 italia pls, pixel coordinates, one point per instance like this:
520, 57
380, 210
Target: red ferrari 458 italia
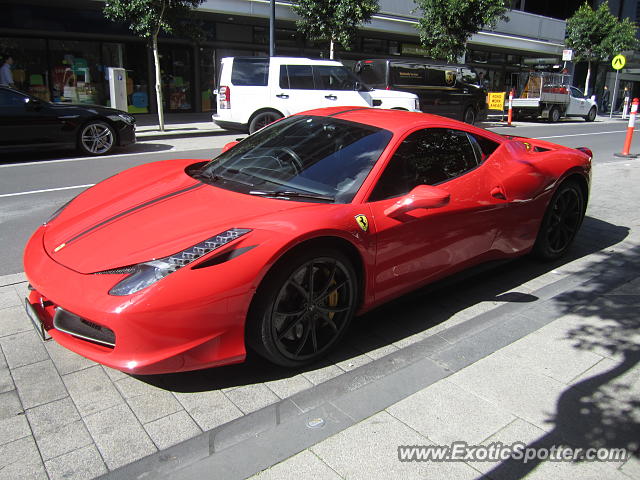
279, 241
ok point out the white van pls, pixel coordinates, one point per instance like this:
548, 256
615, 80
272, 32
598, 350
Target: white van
255, 91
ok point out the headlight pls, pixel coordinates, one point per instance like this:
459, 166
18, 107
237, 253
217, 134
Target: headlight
148, 273
128, 119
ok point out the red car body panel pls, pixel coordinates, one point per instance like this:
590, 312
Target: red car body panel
195, 317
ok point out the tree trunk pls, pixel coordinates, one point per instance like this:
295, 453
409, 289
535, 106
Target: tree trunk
586, 82
156, 61
331, 49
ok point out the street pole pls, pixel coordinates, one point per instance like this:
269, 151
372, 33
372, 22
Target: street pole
615, 91
272, 29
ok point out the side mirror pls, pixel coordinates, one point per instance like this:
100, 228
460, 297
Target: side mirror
423, 196
229, 146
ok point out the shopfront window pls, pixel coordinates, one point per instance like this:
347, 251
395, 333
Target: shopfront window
207, 79
30, 64
176, 68
76, 71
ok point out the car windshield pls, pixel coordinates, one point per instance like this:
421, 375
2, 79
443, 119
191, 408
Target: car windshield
304, 158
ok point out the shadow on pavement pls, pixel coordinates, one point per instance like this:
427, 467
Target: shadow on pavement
601, 411
34, 156
406, 316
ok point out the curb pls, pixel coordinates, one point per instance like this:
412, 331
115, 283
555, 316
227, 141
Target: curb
12, 279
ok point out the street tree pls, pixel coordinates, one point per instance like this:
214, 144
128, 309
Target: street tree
597, 35
446, 25
147, 19
333, 20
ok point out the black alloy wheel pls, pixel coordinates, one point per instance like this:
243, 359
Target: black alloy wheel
561, 222
263, 119
304, 308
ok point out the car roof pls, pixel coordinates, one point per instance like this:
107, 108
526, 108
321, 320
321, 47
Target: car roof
293, 60
398, 121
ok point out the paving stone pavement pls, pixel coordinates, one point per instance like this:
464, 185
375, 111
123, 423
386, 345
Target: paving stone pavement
62, 416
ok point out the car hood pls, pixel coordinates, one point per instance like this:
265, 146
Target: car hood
147, 212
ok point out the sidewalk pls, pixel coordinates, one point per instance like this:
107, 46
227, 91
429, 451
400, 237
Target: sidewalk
176, 124
538, 353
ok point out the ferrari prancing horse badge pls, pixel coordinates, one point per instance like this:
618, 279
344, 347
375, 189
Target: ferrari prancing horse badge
362, 222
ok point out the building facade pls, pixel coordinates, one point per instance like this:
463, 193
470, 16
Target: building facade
62, 48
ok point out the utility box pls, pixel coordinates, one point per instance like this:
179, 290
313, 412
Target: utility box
118, 88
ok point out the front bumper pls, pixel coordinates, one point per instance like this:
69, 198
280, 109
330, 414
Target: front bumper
170, 327
126, 134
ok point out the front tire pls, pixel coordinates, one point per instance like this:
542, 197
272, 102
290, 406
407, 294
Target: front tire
96, 138
303, 307
469, 116
561, 222
263, 119
591, 116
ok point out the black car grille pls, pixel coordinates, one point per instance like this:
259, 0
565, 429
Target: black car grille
84, 329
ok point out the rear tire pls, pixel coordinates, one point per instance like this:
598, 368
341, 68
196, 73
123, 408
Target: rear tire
561, 222
263, 119
554, 115
303, 307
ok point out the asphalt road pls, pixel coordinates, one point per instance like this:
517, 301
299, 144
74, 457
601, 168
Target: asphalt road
32, 186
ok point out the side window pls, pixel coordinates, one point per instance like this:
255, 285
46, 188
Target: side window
426, 157
334, 78
250, 72
482, 146
10, 99
441, 77
297, 77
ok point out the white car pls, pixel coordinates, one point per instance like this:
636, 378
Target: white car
255, 91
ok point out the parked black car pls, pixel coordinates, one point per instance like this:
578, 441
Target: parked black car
450, 90
28, 123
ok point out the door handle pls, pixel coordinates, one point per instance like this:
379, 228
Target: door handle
498, 192
282, 95
331, 97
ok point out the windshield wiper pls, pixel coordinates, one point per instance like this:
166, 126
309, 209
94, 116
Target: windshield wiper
292, 194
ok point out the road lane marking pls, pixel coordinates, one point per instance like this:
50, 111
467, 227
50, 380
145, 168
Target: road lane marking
31, 192
581, 134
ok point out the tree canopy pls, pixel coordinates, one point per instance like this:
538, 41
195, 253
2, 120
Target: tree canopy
446, 25
599, 35
149, 17
596, 35
333, 20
